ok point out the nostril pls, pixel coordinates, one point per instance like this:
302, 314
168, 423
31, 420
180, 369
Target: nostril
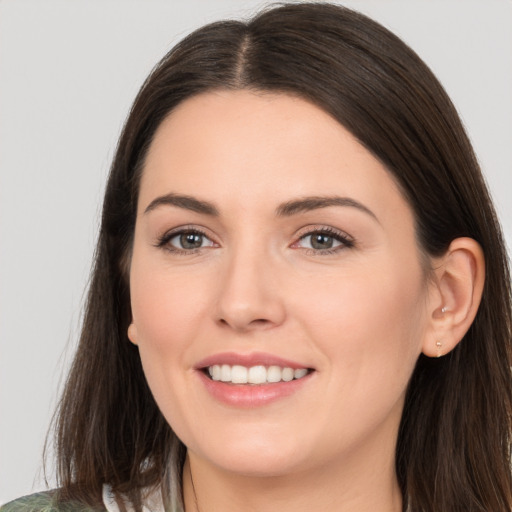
256, 321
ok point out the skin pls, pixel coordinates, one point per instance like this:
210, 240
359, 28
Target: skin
359, 316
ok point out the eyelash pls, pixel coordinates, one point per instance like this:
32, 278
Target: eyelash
346, 242
163, 241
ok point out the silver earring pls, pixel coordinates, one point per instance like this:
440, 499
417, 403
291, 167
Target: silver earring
439, 345
443, 309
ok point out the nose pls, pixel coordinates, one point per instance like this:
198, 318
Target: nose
250, 297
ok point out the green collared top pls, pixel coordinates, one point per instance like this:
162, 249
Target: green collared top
45, 502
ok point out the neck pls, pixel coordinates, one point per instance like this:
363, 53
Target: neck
356, 486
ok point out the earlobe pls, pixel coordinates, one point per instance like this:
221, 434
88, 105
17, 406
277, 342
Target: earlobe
459, 281
132, 333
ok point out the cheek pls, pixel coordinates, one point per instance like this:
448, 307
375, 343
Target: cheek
165, 309
165, 313
368, 327
370, 322
164, 304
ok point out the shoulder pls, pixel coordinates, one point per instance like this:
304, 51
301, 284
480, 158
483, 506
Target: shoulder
45, 502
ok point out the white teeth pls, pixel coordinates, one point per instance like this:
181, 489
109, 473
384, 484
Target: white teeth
215, 372
238, 374
257, 375
287, 375
225, 373
274, 374
301, 372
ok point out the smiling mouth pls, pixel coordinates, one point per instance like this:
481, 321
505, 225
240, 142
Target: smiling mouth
254, 375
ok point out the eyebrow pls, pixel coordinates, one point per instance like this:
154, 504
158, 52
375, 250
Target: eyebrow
287, 209
186, 202
307, 204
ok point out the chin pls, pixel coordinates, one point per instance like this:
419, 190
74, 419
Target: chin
262, 465
258, 456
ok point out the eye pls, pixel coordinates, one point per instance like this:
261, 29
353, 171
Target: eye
185, 241
188, 240
324, 241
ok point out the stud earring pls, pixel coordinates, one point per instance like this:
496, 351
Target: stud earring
443, 309
439, 345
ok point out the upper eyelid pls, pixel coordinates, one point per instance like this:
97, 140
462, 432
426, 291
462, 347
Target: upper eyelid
323, 229
301, 232
185, 229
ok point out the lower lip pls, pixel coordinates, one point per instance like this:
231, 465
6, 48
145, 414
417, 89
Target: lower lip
251, 395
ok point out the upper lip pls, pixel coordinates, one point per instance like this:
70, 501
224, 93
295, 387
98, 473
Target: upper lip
248, 360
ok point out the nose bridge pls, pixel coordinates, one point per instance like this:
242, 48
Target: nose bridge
249, 296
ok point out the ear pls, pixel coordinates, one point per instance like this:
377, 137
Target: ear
455, 295
132, 333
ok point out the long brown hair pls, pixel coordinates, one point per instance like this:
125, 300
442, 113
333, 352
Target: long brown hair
453, 451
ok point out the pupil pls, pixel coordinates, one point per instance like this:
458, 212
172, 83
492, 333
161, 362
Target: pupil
321, 241
191, 240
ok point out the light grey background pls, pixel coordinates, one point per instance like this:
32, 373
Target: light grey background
69, 70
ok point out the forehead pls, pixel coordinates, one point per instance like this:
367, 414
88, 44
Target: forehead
245, 149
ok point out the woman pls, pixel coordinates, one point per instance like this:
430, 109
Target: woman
301, 297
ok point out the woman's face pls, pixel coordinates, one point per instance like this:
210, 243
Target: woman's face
270, 245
